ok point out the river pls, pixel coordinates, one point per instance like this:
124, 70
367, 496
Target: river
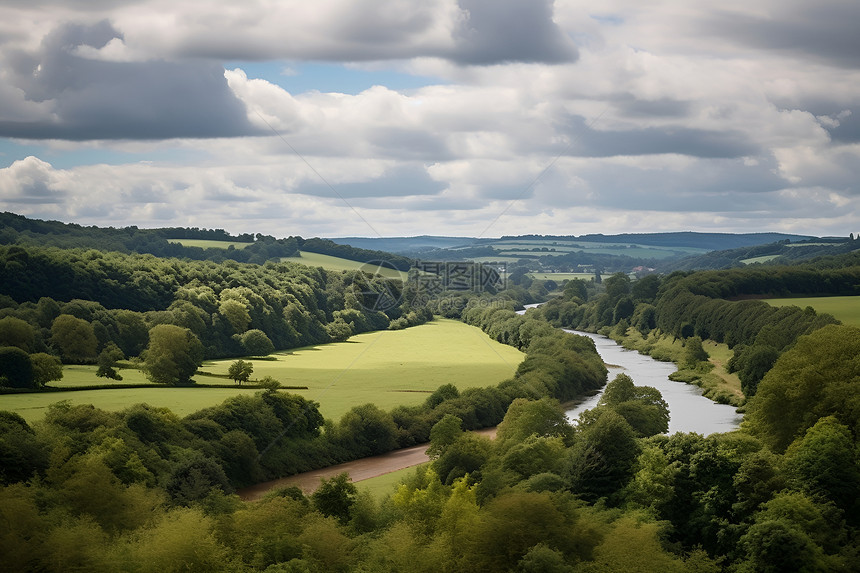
689, 411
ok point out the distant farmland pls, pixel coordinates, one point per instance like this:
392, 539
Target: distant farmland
844, 308
331, 263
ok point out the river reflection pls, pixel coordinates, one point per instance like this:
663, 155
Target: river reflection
689, 410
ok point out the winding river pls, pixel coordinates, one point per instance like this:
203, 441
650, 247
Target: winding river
689, 411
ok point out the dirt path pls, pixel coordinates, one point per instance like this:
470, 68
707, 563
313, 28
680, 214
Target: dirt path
358, 470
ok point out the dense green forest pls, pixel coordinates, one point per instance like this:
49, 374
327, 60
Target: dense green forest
145, 490
258, 249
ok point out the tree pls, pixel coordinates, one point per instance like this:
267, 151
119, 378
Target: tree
642, 406
818, 377
75, 338
240, 371
334, 497
256, 343
107, 359
444, 433
46, 368
367, 430
16, 369
601, 460
16, 332
524, 418
694, 352
823, 464
173, 355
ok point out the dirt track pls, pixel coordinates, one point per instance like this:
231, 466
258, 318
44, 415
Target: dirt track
358, 470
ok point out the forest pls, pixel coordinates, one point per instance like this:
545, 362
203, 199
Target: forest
145, 490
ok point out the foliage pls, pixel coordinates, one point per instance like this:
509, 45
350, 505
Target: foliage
335, 497
16, 368
240, 371
173, 355
817, 378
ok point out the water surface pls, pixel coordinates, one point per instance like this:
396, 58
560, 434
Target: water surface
689, 411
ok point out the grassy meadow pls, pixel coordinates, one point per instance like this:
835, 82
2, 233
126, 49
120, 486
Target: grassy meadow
331, 263
844, 308
387, 368
558, 277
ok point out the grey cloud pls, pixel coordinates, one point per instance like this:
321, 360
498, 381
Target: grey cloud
707, 185
499, 31
825, 30
401, 181
93, 99
630, 106
491, 32
588, 142
848, 130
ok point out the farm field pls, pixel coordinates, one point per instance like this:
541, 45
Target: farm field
761, 259
844, 308
558, 277
209, 244
331, 263
387, 368
181, 401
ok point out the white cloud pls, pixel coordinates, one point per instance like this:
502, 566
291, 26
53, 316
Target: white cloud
657, 117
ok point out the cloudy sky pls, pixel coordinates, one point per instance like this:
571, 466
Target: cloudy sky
454, 117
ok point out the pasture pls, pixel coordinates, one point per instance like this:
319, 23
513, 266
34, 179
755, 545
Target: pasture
761, 259
331, 263
558, 277
387, 368
844, 308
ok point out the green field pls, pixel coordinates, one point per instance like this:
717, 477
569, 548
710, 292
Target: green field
761, 259
386, 484
387, 368
516, 248
182, 401
209, 244
558, 277
337, 264
844, 308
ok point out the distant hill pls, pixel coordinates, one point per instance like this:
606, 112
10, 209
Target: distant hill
180, 242
684, 239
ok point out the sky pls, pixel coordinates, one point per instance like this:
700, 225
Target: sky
476, 118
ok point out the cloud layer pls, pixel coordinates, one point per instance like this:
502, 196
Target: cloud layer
562, 116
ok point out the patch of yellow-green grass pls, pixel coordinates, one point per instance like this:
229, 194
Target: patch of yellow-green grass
761, 259
331, 263
389, 368
843, 308
209, 244
75, 376
382, 486
558, 277
182, 401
